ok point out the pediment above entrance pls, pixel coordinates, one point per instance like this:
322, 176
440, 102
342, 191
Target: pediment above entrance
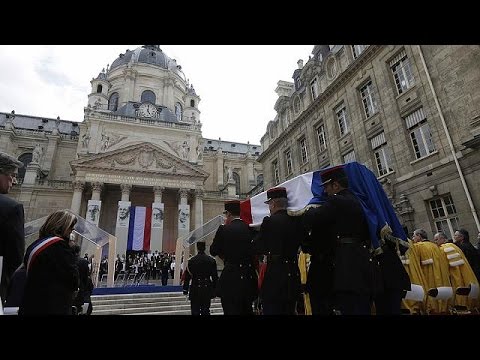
140, 158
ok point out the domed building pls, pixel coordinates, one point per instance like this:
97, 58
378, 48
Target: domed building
139, 147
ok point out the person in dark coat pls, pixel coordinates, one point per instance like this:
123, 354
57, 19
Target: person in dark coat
12, 239
462, 240
237, 286
85, 286
52, 271
202, 271
340, 277
279, 242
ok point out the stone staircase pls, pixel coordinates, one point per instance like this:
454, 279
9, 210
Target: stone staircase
163, 303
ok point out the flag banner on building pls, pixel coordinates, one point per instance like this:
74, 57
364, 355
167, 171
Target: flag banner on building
139, 228
306, 189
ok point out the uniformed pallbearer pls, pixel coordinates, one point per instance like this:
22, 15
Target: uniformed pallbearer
279, 241
237, 286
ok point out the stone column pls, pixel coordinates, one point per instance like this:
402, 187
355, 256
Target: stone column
78, 187
96, 190
121, 227
198, 214
220, 168
126, 188
158, 215
50, 152
183, 230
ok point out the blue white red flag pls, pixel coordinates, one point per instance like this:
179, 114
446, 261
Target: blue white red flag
306, 189
139, 228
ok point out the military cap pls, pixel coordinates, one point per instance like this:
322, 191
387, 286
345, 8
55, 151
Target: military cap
333, 174
233, 206
275, 193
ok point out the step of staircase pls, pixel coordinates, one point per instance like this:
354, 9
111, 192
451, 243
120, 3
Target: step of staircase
172, 303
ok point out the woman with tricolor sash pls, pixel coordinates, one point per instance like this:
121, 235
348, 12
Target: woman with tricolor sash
52, 273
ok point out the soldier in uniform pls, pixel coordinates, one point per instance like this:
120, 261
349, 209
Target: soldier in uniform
237, 286
340, 278
279, 241
202, 270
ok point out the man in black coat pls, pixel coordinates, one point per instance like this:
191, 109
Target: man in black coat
279, 241
340, 278
85, 284
238, 283
202, 270
12, 239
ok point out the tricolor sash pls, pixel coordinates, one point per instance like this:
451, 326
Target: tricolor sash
39, 247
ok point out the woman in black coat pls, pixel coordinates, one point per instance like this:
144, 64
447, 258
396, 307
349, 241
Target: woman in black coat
52, 272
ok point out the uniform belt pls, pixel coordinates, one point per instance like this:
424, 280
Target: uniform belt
350, 240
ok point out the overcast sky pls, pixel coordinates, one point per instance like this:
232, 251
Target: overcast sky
236, 83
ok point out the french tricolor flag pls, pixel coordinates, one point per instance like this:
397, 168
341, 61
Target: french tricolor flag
307, 189
139, 228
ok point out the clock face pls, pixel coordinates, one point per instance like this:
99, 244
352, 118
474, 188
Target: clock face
147, 110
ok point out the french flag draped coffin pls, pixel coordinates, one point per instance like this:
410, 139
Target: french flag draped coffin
306, 189
139, 228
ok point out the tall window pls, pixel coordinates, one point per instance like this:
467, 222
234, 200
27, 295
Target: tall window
25, 159
303, 150
236, 178
368, 99
288, 161
420, 134
382, 154
322, 140
276, 172
113, 102
444, 214
358, 49
149, 96
178, 111
260, 179
349, 157
314, 88
296, 105
341, 113
192, 103
99, 88
402, 72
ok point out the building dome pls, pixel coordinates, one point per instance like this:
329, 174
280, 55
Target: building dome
147, 54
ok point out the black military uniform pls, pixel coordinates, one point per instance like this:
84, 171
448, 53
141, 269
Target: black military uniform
279, 240
202, 270
237, 286
340, 277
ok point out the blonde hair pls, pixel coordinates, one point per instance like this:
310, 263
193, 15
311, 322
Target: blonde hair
58, 223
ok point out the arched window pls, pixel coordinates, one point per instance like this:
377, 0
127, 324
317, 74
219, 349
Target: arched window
99, 88
113, 102
260, 179
25, 159
236, 178
178, 111
148, 95
192, 103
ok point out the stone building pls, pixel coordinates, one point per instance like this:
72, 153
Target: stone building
409, 113
140, 143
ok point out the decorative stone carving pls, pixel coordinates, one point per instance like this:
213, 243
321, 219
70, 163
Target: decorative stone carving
199, 193
126, 188
78, 185
158, 190
145, 158
37, 154
97, 186
85, 139
183, 193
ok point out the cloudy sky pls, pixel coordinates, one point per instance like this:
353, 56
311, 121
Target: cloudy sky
236, 83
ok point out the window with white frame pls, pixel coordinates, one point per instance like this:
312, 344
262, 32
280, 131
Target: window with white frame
382, 154
276, 172
402, 72
369, 99
444, 214
358, 49
341, 112
288, 161
420, 134
178, 111
321, 136
303, 150
349, 157
314, 88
